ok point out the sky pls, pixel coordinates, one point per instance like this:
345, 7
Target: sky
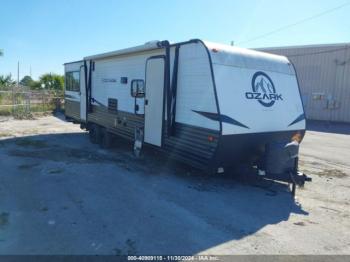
44, 34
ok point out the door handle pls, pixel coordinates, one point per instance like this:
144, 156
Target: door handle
146, 102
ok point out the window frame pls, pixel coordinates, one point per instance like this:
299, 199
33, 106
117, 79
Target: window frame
66, 82
137, 91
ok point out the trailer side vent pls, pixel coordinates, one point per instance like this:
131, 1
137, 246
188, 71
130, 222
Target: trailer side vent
112, 105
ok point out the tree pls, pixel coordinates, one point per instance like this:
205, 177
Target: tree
35, 85
1, 52
26, 81
52, 82
6, 81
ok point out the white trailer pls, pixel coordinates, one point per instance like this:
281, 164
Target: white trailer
209, 105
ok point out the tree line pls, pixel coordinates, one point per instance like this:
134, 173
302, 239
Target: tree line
53, 82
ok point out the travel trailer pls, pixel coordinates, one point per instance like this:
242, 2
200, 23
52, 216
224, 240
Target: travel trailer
209, 105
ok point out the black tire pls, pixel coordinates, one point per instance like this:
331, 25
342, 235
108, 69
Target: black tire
93, 134
106, 139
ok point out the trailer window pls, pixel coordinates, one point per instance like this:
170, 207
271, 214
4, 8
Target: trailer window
137, 88
73, 81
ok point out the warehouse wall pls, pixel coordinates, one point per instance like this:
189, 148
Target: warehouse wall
324, 77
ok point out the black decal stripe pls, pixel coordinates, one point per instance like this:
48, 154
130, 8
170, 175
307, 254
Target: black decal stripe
222, 118
298, 119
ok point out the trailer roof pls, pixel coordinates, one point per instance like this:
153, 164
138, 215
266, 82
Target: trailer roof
74, 62
222, 54
145, 47
247, 58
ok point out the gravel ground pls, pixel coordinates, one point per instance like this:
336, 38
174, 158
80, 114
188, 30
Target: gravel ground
59, 194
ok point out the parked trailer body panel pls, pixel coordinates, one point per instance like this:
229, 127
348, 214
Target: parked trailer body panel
210, 114
235, 70
195, 92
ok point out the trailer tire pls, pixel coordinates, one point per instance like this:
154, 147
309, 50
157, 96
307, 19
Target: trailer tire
93, 134
106, 139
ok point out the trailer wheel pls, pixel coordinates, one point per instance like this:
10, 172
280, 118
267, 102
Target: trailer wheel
106, 139
93, 134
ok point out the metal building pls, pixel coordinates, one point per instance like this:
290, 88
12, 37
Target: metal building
324, 78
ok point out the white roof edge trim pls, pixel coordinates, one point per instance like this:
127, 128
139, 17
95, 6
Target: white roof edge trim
145, 47
74, 62
292, 72
247, 52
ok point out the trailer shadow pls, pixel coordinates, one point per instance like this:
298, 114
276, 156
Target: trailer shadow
328, 127
59, 114
147, 205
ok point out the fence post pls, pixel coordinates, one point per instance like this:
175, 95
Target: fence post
13, 99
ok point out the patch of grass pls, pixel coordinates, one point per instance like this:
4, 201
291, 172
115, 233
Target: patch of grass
5, 134
332, 173
4, 218
24, 112
23, 116
26, 142
5, 111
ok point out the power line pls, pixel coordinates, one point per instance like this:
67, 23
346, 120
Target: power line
296, 23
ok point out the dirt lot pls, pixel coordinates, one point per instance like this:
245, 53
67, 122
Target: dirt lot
61, 195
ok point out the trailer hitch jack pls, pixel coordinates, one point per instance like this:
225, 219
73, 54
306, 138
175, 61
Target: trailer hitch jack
299, 179
138, 141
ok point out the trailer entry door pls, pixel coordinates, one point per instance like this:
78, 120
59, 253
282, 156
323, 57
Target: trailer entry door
154, 95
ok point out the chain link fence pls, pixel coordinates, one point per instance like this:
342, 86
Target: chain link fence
21, 102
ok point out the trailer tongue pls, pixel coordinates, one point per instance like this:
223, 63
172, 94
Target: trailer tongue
282, 163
